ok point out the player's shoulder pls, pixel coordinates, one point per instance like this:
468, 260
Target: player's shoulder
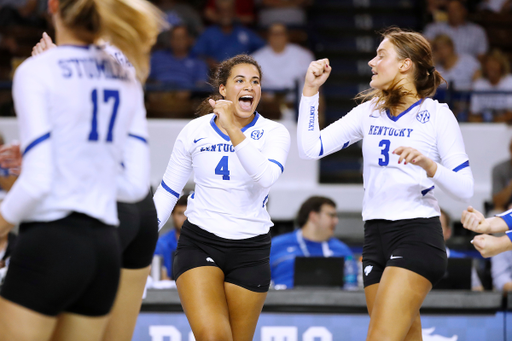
268, 125
197, 123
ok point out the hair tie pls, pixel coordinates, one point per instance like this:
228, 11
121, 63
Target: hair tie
431, 70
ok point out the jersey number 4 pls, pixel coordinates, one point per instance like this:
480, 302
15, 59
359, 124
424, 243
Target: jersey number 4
107, 95
222, 168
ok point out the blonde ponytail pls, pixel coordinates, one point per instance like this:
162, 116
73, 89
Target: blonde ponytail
130, 25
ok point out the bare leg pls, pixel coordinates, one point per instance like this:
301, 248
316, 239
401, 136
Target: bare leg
22, 324
414, 333
244, 310
125, 311
203, 299
79, 327
394, 305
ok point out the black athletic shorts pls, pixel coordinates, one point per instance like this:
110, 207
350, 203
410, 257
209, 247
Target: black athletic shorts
138, 232
413, 244
244, 262
67, 265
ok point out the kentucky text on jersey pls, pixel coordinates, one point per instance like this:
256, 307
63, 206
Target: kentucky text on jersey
92, 68
219, 147
311, 119
381, 130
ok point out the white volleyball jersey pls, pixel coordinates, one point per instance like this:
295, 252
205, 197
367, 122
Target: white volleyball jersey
75, 106
231, 183
394, 191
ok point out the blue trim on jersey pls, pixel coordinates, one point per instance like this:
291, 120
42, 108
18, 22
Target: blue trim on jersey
85, 47
461, 166
168, 189
122, 165
277, 163
345, 145
395, 118
264, 201
226, 137
253, 122
138, 137
507, 216
35, 143
321, 147
509, 235
425, 191
193, 195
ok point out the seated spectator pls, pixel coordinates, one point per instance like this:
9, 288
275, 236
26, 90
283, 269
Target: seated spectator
181, 14
23, 12
493, 107
476, 284
288, 12
496, 6
168, 243
469, 38
501, 270
244, 12
459, 71
284, 66
502, 184
177, 67
227, 38
317, 220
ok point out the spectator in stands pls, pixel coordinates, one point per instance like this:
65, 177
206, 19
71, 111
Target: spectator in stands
497, 6
476, 284
288, 12
493, 107
244, 12
459, 71
502, 184
167, 243
227, 38
181, 14
176, 65
317, 220
501, 271
284, 65
469, 38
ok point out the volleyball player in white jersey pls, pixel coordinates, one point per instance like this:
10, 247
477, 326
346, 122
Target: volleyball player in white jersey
75, 107
221, 265
411, 145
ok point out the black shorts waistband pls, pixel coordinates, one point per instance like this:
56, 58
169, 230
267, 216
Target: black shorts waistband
195, 232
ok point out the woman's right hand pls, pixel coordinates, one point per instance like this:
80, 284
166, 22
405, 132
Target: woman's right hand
317, 74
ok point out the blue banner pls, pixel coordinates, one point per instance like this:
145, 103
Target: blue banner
330, 327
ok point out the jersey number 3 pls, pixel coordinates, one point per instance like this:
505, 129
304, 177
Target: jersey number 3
222, 168
385, 152
107, 95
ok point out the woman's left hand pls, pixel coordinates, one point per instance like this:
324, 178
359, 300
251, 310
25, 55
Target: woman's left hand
411, 155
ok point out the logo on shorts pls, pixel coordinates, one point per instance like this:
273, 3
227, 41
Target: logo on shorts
257, 134
208, 259
368, 269
423, 116
395, 257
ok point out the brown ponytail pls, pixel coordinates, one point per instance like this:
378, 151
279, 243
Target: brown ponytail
221, 76
414, 46
130, 25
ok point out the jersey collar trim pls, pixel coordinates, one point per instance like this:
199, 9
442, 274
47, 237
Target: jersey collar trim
226, 137
395, 118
